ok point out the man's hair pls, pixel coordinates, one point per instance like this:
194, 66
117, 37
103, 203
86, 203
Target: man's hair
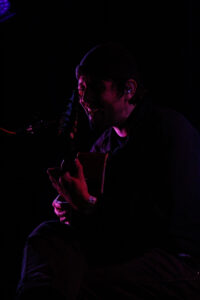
111, 61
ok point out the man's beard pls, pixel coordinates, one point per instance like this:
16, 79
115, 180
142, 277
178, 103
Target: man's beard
98, 124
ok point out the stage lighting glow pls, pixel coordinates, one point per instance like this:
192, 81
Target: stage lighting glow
4, 7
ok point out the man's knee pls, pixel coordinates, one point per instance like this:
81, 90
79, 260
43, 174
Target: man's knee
39, 293
46, 228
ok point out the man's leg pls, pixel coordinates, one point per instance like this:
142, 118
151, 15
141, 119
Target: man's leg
53, 263
155, 275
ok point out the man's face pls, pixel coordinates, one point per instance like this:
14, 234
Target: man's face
101, 102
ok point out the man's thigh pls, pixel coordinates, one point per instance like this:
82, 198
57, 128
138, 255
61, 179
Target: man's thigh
155, 275
52, 259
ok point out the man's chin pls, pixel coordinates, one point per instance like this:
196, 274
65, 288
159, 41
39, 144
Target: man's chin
98, 126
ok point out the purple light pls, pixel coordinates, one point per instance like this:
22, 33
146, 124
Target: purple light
4, 7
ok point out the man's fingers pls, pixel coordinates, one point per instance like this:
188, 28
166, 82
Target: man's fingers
54, 173
80, 173
60, 213
63, 219
67, 178
72, 179
55, 203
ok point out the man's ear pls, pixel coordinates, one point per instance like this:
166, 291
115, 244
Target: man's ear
130, 89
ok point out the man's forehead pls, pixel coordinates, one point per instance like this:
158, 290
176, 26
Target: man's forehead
93, 81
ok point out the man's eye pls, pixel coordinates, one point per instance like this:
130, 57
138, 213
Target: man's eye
96, 87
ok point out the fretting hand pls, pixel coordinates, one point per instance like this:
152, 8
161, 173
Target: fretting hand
73, 189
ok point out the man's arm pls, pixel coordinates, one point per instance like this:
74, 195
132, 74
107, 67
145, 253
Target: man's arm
73, 189
185, 185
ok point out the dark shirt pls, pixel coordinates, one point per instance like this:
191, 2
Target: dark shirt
152, 187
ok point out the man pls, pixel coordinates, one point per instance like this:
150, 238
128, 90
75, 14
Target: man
140, 239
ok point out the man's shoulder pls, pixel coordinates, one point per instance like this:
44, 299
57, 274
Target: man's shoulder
173, 121
168, 113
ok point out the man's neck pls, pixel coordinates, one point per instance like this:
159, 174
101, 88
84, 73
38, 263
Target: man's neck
122, 132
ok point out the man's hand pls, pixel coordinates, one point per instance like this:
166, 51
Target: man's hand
62, 210
73, 189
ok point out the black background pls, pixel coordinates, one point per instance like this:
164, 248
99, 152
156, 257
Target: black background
40, 47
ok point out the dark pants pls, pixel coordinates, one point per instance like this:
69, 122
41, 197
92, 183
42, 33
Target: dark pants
55, 266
